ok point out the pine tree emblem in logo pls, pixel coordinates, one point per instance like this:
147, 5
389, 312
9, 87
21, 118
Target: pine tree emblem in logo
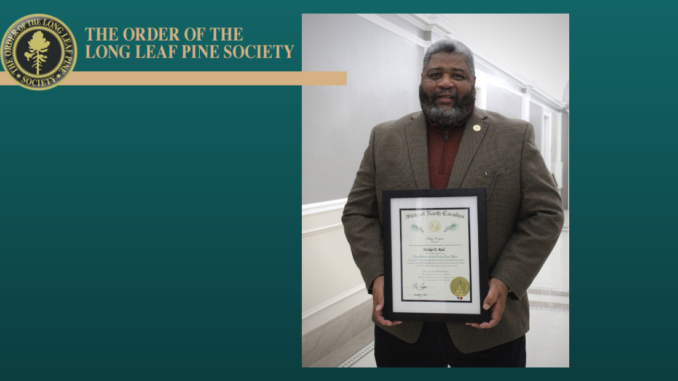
37, 45
38, 51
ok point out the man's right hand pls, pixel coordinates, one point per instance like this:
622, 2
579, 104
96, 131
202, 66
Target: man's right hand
378, 302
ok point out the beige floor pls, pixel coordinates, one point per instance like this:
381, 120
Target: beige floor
548, 341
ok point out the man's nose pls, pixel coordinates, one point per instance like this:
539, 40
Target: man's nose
446, 82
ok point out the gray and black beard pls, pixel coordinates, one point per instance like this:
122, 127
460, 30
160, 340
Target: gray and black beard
448, 116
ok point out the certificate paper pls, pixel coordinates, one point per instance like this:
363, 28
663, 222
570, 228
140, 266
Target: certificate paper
435, 255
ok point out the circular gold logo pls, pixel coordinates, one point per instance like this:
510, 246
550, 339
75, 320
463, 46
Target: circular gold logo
434, 226
460, 286
38, 51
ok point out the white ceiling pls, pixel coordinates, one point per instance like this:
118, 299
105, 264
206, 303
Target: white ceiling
535, 45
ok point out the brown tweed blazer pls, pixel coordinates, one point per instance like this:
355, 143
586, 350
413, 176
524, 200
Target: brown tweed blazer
524, 212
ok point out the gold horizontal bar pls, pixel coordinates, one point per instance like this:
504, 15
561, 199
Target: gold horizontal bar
198, 78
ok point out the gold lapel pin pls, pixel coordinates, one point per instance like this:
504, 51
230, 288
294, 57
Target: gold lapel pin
476, 128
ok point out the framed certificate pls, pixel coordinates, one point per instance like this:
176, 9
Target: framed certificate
435, 255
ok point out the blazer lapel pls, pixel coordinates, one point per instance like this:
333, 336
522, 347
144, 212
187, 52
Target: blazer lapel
470, 141
417, 147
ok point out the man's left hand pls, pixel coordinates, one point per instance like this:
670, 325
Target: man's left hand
495, 302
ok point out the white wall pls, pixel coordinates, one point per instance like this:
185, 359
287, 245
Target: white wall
534, 45
331, 282
383, 71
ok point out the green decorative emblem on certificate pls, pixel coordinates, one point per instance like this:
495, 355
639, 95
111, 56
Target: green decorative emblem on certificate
459, 286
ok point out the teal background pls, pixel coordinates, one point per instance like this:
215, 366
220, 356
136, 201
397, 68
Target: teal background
152, 233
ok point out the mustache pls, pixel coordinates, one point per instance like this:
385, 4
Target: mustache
440, 93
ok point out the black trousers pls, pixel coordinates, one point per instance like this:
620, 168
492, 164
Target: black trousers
435, 348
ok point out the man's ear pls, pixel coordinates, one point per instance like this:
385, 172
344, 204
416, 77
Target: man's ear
474, 80
422, 77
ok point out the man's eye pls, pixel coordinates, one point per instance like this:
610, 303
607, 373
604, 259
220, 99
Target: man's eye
459, 76
434, 75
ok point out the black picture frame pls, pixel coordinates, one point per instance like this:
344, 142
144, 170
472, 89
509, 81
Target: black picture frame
478, 315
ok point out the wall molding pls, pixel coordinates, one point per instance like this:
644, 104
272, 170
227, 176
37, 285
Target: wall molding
416, 22
525, 106
546, 137
323, 229
331, 302
439, 25
395, 29
544, 105
321, 207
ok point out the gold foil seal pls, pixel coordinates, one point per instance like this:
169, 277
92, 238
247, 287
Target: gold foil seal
460, 286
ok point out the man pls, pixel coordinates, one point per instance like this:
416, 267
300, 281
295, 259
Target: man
452, 144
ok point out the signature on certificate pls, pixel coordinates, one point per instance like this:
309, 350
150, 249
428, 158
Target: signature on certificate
416, 286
